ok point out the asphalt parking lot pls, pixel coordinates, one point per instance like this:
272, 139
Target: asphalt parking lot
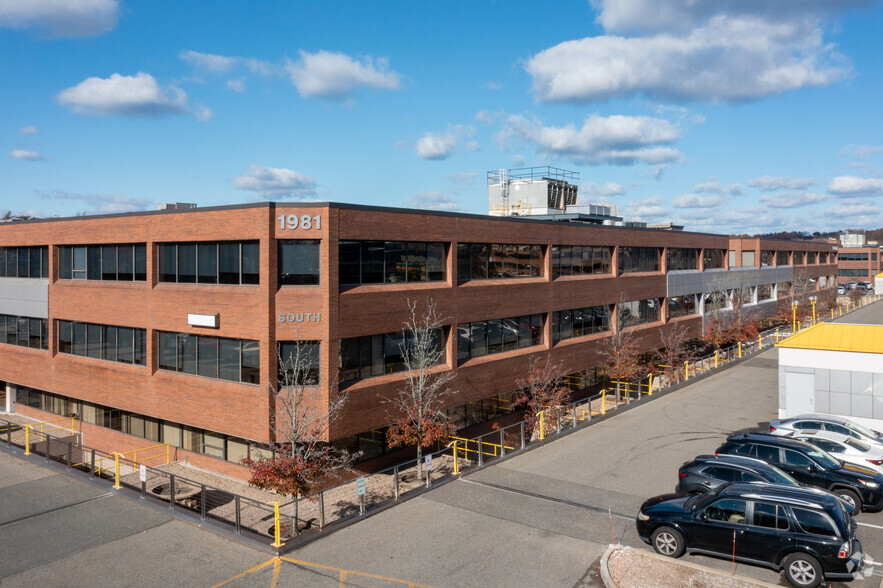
540, 518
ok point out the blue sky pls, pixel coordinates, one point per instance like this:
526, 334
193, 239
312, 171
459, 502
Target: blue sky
727, 116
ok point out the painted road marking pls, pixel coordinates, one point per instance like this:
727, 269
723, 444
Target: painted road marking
867, 525
277, 566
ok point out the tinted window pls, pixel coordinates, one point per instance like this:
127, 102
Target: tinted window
828, 446
840, 429
769, 516
298, 262
767, 453
721, 473
793, 458
814, 522
749, 477
729, 510
746, 450
807, 425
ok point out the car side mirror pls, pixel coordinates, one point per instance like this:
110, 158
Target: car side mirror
702, 516
811, 468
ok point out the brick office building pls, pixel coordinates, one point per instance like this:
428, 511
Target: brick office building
164, 326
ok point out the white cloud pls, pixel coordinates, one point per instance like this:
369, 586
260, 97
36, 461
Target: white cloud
103, 203
488, 117
138, 95
694, 201
28, 131
24, 155
648, 210
60, 18
792, 199
850, 186
473, 146
771, 183
435, 200
851, 210
608, 189
438, 146
336, 76
271, 183
715, 187
706, 50
237, 85
518, 161
462, 178
861, 152
616, 140
494, 86
750, 220
213, 63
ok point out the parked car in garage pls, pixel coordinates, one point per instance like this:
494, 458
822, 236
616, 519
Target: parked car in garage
845, 448
708, 472
805, 532
856, 485
825, 422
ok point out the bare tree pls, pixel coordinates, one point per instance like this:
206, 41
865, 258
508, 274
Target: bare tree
542, 388
300, 415
419, 419
674, 347
620, 350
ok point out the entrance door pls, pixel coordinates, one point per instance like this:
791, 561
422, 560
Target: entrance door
2, 396
800, 393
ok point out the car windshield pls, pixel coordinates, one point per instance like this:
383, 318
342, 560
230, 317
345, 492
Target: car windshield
861, 430
856, 444
823, 458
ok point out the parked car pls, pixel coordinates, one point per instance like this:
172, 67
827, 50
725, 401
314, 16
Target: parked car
708, 472
826, 422
841, 290
845, 448
805, 532
858, 486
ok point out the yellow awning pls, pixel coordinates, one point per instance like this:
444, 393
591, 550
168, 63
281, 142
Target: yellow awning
838, 337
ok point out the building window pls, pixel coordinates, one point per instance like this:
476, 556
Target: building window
852, 257
125, 263
298, 363
498, 335
577, 260
638, 312
375, 355
764, 292
638, 259
483, 261
577, 322
299, 262
811, 257
873, 257
823, 257
226, 262
682, 259
797, 258
681, 306
748, 259
24, 262
766, 258
713, 258
24, 331
236, 360
390, 262
852, 273
783, 289
783, 258
122, 344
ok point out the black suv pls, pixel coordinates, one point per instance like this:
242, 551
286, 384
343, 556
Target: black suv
860, 487
805, 532
707, 472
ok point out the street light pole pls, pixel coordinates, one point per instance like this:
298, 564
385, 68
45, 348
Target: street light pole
793, 316
813, 300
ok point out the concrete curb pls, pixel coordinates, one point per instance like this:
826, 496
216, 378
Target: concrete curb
609, 583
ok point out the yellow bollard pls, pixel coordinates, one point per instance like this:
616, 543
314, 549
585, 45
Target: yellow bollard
760, 341
740, 349
650, 386
456, 462
27, 439
777, 334
116, 471
167, 453
542, 429
277, 526
603, 402
716, 353
686, 370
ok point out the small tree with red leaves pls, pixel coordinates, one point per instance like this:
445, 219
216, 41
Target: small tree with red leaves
419, 420
674, 352
300, 414
620, 351
542, 388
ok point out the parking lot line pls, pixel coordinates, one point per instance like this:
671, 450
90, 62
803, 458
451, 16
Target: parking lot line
247, 572
39, 514
867, 525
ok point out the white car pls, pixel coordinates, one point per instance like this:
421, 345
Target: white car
826, 422
845, 448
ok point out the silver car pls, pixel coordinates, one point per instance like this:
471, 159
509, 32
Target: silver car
825, 422
845, 448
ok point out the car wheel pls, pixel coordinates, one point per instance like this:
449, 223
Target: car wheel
668, 542
851, 498
803, 570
